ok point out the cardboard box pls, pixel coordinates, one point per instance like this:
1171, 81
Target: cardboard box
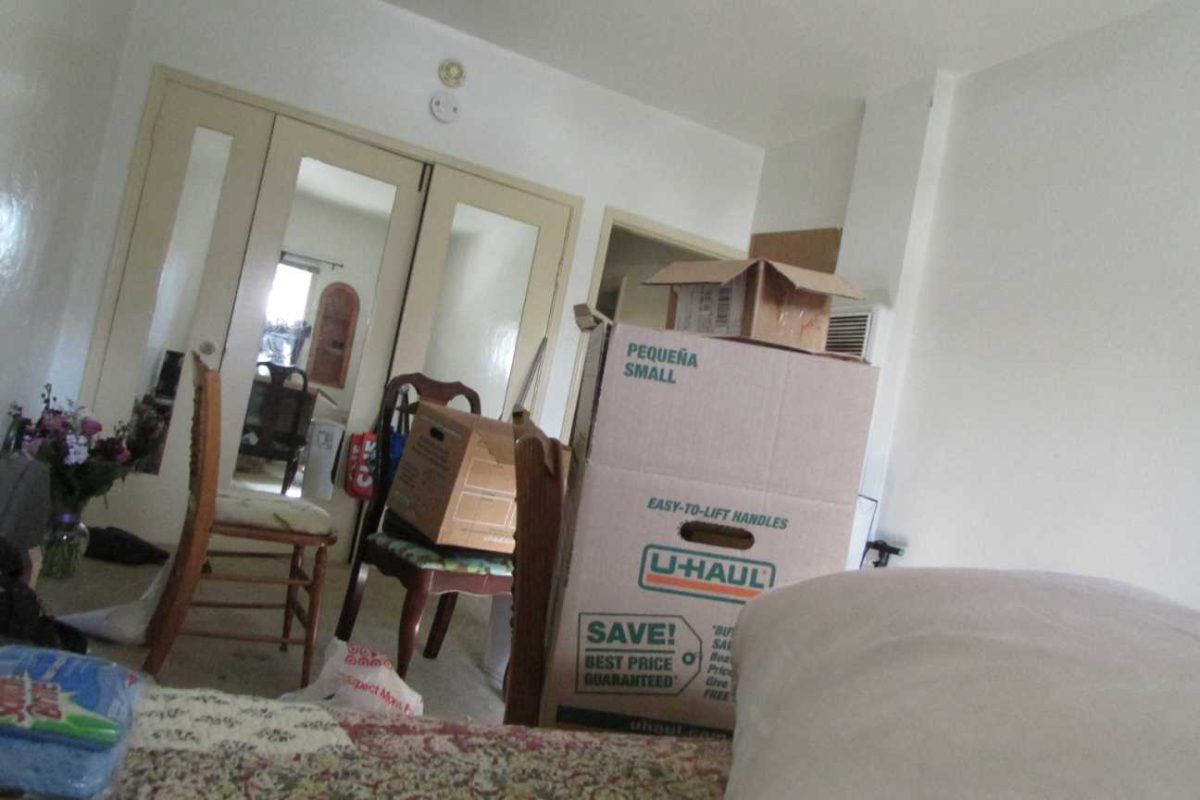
455, 482
706, 471
816, 249
756, 298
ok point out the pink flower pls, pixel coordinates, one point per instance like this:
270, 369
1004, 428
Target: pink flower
90, 427
53, 422
113, 449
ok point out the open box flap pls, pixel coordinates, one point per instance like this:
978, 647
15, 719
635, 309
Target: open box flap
722, 272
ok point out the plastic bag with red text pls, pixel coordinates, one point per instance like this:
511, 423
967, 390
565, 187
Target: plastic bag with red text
359, 679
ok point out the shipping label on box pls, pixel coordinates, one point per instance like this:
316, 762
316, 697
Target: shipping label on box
716, 310
708, 471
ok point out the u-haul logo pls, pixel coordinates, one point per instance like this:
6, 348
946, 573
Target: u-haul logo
712, 577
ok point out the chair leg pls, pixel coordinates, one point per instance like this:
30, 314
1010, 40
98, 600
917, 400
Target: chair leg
441, 622
172, 611
292, 592
314, 613
353, 599
289, 472
415, 596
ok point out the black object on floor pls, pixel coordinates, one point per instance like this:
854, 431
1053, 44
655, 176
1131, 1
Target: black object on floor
21, 617
119, 546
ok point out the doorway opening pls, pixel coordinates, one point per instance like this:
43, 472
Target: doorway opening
632, 258
631, 249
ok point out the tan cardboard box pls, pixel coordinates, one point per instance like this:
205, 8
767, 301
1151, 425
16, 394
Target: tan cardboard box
815, 248
755, 298
707, 471
455, 482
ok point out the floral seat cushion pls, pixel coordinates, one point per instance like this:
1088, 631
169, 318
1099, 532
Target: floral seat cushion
274, 512
429, 558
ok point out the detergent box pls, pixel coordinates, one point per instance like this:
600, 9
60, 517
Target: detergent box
64, 720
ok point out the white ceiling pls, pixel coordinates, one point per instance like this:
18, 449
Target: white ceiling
768, 71
344, 188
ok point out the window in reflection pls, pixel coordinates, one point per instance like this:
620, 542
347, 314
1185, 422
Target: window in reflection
287, 330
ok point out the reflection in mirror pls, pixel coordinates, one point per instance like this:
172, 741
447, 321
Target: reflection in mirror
484, 281
182, 271
315, 322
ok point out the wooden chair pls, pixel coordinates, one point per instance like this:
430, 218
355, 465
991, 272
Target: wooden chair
280, 425
250, 515
399, 551
541, 468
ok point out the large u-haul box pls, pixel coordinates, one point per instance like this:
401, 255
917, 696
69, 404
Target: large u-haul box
707, 471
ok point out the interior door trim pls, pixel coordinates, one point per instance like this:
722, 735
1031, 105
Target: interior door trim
159, 78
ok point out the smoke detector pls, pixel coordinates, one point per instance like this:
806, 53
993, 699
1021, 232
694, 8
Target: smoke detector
444, 106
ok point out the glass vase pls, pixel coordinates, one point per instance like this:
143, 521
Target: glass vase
65, 545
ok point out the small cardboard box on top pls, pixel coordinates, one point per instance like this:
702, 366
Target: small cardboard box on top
706, 472
782, 294
455, 482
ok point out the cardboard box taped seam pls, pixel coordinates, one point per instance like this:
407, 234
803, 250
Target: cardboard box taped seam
706, 470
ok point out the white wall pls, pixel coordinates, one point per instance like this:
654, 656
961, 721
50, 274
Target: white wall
876, 177
374, 65
1050, 417
806, 183
888, 228
885, 239
58, 65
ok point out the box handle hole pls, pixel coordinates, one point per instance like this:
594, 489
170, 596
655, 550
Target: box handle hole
437, 433
710, 533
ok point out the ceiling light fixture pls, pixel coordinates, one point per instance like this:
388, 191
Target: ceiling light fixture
452, 73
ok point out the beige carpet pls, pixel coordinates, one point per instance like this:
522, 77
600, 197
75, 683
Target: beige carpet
454, 685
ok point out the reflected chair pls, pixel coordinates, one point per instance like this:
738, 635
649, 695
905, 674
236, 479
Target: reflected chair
277, 421
254, 516
398, 550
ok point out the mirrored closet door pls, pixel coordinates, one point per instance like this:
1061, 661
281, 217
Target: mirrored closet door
278, 251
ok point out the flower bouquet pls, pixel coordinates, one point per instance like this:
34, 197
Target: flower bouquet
83, 464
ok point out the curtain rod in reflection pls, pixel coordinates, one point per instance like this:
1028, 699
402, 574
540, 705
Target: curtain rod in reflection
306, 262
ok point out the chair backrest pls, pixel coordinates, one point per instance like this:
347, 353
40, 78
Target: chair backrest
203, 469
541, 472
428, 391
205, 461
272, 424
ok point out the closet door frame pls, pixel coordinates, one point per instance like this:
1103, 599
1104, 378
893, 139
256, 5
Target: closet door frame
161, 75
448, 189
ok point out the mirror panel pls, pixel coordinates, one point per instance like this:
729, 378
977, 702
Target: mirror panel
182, 272
484, 281
315, 321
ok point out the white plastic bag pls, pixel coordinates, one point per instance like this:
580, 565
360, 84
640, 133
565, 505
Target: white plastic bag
124, 624
358, 678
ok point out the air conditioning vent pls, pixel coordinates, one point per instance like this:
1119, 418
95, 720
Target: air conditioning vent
849, 333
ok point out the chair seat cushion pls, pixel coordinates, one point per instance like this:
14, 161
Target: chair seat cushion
273, 512
429, 558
